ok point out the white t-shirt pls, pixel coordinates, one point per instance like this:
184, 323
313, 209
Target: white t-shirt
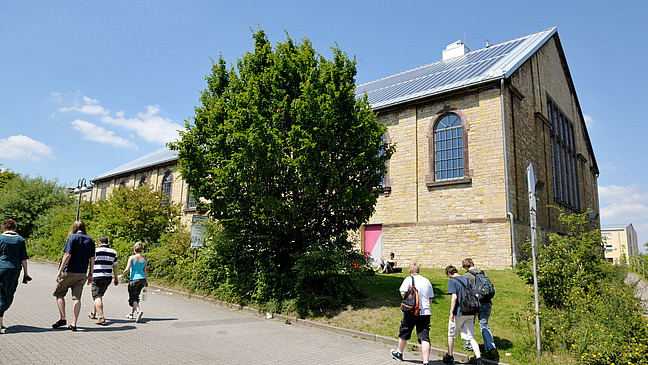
425, 290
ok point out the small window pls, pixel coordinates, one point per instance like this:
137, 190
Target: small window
167, 182
122, 184
102, 194
191, 202
143, 180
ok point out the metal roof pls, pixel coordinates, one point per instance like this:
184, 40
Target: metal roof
476, 67
161, 156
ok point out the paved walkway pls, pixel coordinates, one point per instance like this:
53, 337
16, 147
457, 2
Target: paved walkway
173, 330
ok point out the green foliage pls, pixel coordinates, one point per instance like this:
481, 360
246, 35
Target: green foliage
6, 176
566, 261
24, 199
589, 311
51, 231
288, 159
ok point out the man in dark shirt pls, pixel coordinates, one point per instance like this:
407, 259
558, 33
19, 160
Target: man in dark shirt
459, 323
485, 306
78, 254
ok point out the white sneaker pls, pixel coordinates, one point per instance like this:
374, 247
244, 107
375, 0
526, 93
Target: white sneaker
139, 316
130, 316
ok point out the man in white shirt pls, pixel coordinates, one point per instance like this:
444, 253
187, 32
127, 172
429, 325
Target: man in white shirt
420, 321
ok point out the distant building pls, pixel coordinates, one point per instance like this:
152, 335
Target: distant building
157, 169
620, 242
465, 130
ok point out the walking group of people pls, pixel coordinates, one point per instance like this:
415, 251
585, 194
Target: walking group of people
81, 264
459, 323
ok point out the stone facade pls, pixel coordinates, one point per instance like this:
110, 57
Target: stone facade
439, 224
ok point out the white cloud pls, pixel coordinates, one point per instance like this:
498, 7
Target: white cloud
589, 120
23, 148
149, 125
90, 106
622, 194
95, 133
625, 205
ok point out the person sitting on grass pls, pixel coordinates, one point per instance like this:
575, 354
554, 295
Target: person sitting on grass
387, 266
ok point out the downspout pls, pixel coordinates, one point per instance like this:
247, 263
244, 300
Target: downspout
506, 178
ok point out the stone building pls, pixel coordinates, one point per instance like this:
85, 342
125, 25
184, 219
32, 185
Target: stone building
465, 130
620, 242
157, 169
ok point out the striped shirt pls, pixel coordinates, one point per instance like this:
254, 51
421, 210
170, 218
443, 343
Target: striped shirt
105, 258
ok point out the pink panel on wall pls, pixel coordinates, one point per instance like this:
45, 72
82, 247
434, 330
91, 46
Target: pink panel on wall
372, 234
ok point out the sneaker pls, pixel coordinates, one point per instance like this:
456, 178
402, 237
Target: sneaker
479, 361
130, 316
59, 323
92, 315
139, 316
447, 359
492, 354
467, 346
396, 355
101, 320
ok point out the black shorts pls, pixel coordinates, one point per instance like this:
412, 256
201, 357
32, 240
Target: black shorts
422, 324
99, 286
134, 289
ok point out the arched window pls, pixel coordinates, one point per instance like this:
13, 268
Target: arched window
167, 181
448, 148
143, 180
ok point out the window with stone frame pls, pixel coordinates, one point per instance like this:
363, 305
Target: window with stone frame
167, 183
191, 202
143, 180
102, 193
448, 143
386, 181
563, 157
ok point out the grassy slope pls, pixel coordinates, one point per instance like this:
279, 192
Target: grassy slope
510, 321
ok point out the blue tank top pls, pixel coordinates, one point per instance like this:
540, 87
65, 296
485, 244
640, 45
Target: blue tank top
137, 270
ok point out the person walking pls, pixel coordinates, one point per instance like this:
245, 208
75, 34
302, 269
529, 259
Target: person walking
105, 265
459, 323
422, 320
485, 307
137, 264
78, 255
13, 259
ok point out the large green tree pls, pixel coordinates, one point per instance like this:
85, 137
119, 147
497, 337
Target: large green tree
24, 199
287, 156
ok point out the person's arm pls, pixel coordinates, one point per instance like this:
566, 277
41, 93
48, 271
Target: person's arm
128, 266
64, 261
453, 304
26, 277
115, 274
146, 273
91, 266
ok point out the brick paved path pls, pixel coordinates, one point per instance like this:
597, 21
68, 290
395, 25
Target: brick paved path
174, 330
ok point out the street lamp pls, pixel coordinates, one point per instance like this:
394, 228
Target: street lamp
81, 187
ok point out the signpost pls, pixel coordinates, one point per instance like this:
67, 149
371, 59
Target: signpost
198, 227
531, 182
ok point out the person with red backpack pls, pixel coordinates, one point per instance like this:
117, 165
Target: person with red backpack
413, 316
462, 315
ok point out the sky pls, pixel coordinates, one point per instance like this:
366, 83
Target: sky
87, 86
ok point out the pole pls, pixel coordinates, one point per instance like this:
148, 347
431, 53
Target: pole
531, 182
81, 187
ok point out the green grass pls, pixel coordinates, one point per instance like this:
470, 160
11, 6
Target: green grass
510, 321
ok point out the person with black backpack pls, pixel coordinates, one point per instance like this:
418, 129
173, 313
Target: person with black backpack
417, 292
463, 307
486, 291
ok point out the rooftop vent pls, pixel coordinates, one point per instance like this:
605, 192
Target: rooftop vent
455, 49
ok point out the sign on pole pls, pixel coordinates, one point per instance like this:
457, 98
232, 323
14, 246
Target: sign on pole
198, 227
531, 182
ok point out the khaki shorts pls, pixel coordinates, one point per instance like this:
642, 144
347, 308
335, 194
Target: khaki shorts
74, 280
463, 324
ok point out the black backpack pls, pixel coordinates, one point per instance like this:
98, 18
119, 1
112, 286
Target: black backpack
468, 303
484, 287
410, 302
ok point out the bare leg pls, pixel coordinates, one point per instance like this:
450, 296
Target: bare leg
450, 345
475, 347
98, 307
401, 345
425, 350
60, 301
76, 309
135, 308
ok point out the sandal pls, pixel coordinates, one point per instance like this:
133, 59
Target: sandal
59, 323
92, 315
72, 328
101, 320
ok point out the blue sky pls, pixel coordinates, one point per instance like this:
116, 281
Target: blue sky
88, 86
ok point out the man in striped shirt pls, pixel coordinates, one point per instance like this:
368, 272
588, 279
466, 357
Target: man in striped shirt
105, 265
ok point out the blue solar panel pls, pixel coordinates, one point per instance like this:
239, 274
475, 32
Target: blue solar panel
478, 66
